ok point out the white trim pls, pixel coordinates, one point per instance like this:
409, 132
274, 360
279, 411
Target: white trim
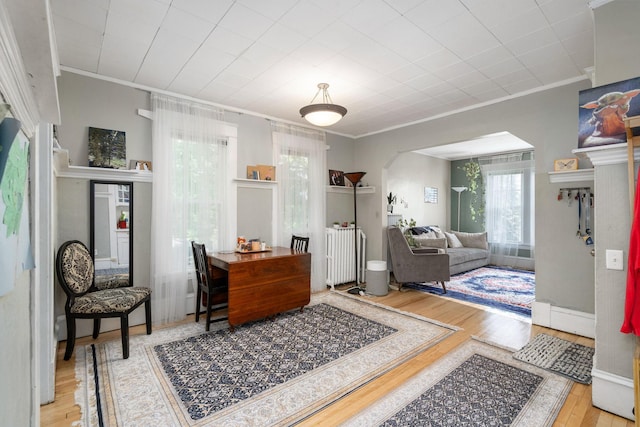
612, 393
44, 340
62, 169
563, 319
14, 85
571, 176
606, 154
594, 4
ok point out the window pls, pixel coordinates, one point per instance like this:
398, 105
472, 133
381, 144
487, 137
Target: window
509, 204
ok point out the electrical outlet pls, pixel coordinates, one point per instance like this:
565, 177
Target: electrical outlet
614, 259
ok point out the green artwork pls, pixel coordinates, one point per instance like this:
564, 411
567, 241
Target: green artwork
13, 185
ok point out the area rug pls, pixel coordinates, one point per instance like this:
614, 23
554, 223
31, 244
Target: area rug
563, 357
501, 288
477, 384
272, 372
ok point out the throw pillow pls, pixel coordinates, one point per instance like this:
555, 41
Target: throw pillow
453, 240
472, 240
426, 241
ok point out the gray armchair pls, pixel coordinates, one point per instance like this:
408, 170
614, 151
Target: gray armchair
419, 265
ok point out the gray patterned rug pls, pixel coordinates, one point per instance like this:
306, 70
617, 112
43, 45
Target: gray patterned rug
265, 373
475, 385
563, 357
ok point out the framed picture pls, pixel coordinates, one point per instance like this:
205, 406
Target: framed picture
140, 165
602, 110
430, 195
336, 178
107, 148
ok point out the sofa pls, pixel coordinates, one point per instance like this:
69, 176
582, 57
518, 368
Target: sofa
467, 251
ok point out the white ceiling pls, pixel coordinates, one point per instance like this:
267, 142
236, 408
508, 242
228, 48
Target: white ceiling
502, 142
389, 62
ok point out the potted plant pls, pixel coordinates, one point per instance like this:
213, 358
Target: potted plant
336, 224
391, 200
405, 226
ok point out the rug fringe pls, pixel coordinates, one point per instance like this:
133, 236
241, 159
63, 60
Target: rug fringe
395, 310
494, 344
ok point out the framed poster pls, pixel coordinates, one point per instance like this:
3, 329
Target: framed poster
430, 195
602, 110
107, 148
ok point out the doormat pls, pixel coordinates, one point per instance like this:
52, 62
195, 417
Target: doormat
563, 357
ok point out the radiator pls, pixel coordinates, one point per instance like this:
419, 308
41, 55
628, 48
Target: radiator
340, 255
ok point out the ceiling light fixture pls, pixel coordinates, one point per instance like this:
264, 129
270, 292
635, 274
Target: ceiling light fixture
324, 114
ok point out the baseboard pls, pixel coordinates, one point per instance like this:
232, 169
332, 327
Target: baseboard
563, 319
612, 393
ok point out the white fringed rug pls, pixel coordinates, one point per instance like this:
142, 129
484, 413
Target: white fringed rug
477, 384
265, 373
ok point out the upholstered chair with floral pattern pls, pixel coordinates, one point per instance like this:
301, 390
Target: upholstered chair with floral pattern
75, 271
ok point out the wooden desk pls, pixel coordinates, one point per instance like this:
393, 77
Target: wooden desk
263, 284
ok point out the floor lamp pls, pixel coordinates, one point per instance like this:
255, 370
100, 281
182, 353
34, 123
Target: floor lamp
354, 178
459, 190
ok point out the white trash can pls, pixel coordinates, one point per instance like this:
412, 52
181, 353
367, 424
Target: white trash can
377, 278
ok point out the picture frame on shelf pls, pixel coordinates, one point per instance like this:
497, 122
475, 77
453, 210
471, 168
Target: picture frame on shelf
336, 178
107, 148
141, 165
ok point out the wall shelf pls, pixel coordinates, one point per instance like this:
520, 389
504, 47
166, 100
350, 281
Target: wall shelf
254, 183
63, 169
571, 176
349, 190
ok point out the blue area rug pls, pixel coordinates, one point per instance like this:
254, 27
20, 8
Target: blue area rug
497, 287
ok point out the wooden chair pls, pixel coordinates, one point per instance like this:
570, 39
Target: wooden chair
75, 270
299, 244
214, 292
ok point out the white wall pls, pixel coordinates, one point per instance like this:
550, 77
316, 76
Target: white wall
15, 369
407, 177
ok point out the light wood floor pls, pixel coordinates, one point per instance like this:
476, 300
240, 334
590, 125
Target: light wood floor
501, 329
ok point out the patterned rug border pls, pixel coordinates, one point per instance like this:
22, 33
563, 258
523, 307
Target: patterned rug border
157, 396
541, 410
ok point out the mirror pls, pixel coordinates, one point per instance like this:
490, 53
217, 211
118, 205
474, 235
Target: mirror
111, 234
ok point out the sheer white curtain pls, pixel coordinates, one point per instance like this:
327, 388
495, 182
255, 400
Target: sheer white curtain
509, 206
191, 178
301, 158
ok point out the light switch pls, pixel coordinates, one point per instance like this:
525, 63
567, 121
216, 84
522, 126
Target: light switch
614, 259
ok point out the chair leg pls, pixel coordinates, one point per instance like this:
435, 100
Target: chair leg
198, 302
444, 288
96, 328
208, 313
124, 330
147, 313
71, 337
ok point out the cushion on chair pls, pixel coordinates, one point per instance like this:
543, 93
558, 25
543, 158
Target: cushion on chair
77, 267
111, 282
110, 300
